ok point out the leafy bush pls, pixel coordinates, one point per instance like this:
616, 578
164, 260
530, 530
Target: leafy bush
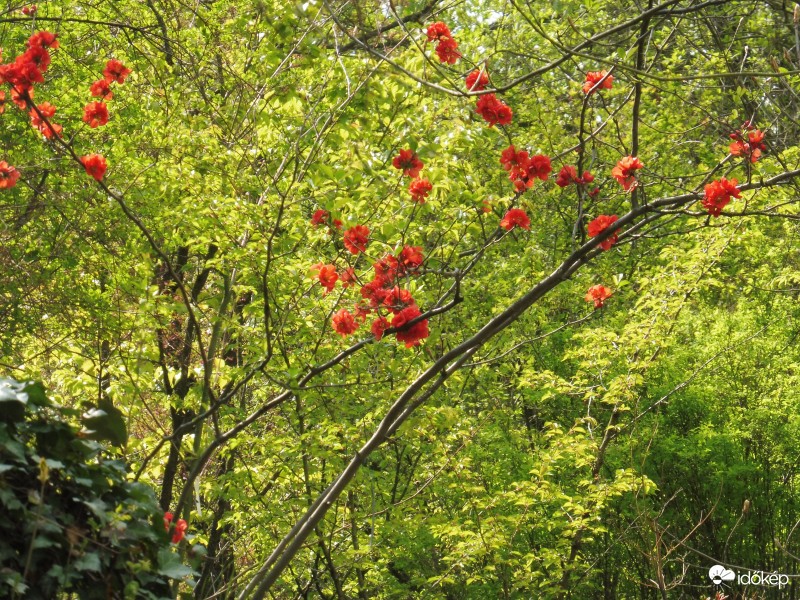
72, 522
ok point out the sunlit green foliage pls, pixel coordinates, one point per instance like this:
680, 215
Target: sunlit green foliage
578, 452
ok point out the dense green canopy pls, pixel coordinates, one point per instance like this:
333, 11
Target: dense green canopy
516, 438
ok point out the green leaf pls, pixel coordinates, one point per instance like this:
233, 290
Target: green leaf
105, 423
12, 391
88, 562
170, 565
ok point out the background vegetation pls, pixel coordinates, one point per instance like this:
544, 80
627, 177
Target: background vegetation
531, 446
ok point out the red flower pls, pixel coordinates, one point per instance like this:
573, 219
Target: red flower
180, 530
522, 169
115, 71
409, 162
337, 224
569, 174
414, 334
356, 238
539, 167
319, 217
8, 176
327, 276
95, 114
101, 88
386, 269
397, 299
493, 111
594, 77
47, 110
362, 312
19, 98
598, 294
29, 10
45, 39
411, 257
21, 74
379, 325
344, 323
419, 189
516, 163
718, 195
756, 139
180, 527
2, 102
477, 80
95, 165
348, 277
515, 217
437, 31
446, 51
486, 206
52, 129
625, 172
599, 225
38, 56
46, 128
509, 158
374, 292
751, 148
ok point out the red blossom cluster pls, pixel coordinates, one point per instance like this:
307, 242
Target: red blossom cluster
95, 114
748, 142
445, 43
493, 111
356, 239
384, 296
569, 175
408, 162
348, 277
419, 188
718, 194
625, 172
116, 71
327, 276
28, 69
95, 165
40, 119
22, 74
8, 175
515, 217
477, 80
29, 10
344, 323
321, 216
180, 527
523, 169
593, 78
598, 294
102, 89
599, 225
